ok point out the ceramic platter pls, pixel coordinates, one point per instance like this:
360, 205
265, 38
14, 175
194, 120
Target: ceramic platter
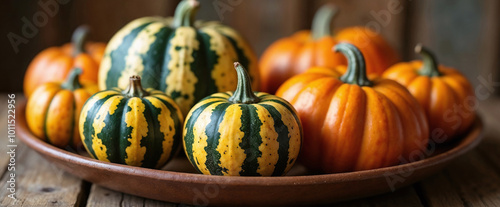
179, 183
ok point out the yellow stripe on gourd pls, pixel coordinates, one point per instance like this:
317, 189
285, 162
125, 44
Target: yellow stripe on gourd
115, 42
223, 72
98, 124
135, 118
247, 51
85, 112
270, 144
232, 156
293, 132
167, 128
167, 99
200, 138
134, 64
181, 77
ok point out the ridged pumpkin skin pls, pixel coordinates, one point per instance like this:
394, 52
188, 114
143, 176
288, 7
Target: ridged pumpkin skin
188, 61
295, 54
54, 64
223, 136
53, 111
447, 97
352, 123
139, 130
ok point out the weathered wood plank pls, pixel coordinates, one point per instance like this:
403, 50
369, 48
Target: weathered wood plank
100, 196
469, 181
4, 160
402, 197
39, 183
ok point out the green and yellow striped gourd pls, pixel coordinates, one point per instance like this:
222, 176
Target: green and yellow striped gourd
242, 133
187, 60
134, 127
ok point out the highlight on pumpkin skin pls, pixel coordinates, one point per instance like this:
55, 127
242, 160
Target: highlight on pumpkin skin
242, 133
440, 90
55, 63
352, 123
54, 108
135, 126
293, 55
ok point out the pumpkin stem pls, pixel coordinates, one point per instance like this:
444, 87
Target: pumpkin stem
243, 93
356, 68
430, 67
79, 38
185, 12
72, 83
135, 89
322, 21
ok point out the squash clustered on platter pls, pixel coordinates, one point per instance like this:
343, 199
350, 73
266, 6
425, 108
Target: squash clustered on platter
332, 102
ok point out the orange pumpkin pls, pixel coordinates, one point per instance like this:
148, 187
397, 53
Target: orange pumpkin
445, 94
353, 123
293, 55
53, 111
54, 63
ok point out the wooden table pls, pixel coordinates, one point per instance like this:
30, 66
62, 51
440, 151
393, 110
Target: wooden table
472, 180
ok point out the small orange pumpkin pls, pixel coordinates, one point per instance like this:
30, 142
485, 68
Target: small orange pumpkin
54, 63
445, 94
293, 55
53, 111
352, 123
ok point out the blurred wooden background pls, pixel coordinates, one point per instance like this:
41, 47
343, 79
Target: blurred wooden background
463, 33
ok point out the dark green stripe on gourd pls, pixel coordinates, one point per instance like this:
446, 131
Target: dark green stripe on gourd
154, 59
256, 152
189, 136
155, 68
283, 139
212, 131
122, 127
119, 55
251, 141
88, 129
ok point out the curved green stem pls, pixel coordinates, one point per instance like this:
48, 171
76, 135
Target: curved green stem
135, 89
79, 39
243, 93
72, 83
430, 66
185, 13
322, 21
356, 68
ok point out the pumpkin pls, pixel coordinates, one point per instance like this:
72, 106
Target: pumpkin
353, 123
445, 94
53, 110
242, 133
55, 63
295, 54
187, 60
136, 126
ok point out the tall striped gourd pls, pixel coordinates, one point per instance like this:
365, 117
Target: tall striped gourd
187, 60
135, 127
242, 133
